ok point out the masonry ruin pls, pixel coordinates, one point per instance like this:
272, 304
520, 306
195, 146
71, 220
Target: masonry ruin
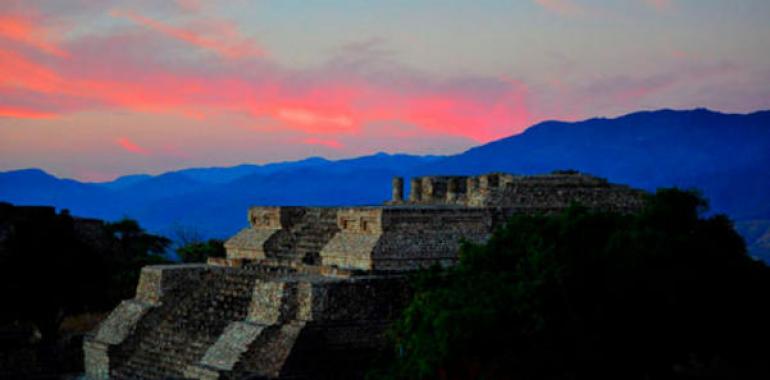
308, 292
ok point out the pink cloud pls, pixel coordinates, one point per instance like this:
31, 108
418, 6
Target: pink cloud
228, 43
315, 121
130, 146
22, 30
329, 107
21, 113
21, 72
116, 71
361, 100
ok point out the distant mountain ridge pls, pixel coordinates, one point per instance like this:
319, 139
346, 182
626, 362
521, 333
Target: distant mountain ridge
727, 156
721, 154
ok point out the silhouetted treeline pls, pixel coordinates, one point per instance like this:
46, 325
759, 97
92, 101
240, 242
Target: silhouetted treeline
666, 293
54, 266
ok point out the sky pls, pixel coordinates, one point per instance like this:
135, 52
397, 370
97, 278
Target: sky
96, 89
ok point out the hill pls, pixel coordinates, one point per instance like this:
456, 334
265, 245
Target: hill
726, 156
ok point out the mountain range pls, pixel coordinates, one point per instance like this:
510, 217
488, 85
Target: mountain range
725, 156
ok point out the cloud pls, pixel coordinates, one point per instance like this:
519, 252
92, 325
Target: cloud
189, 5
614, 95
22, 30
339, 97
179, 74
130, 146
358, 101
315, 121
562, 7
227, 41
21, 113
22, 72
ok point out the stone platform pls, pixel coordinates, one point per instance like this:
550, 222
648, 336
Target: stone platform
308, 292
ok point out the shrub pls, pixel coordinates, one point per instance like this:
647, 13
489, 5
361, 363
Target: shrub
664, 293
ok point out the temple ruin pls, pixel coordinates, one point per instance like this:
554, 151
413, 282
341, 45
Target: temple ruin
308, 292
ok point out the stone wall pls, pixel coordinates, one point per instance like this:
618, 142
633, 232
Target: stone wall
422, 231
287, 233
404, 238
549, 191
360, 230
312, 327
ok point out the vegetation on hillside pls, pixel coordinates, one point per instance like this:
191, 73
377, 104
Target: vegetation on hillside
665, 293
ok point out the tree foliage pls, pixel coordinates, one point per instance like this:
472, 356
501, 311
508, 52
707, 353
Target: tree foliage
49, 269
199, 252
129, 248
664, 293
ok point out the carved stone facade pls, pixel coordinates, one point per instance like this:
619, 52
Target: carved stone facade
308, 292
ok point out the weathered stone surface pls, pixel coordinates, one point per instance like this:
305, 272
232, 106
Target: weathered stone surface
366, 298
268, 354
547, 192
112, 331
397, 194
249, 243
121, 321
157, 280
233, 343
273, 301
308, 292
96, 359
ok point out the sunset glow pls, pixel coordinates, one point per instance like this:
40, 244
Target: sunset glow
233, 82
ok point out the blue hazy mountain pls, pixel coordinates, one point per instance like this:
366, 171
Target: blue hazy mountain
726, 156
213, 201
126, 181
36, 187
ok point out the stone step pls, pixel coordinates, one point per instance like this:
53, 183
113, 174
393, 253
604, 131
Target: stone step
183, 331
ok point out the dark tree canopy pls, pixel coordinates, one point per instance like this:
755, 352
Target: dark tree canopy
665, 293
199, 252
129, 249
53, 265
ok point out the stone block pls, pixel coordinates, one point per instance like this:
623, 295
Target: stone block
234, 342
156, 280
273, 301
121, 321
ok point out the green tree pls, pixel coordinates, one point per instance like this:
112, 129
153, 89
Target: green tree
664, 293
129, 249
199, 252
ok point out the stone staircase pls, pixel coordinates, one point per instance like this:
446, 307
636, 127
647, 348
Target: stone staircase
303, 240
257, 322
176, 335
